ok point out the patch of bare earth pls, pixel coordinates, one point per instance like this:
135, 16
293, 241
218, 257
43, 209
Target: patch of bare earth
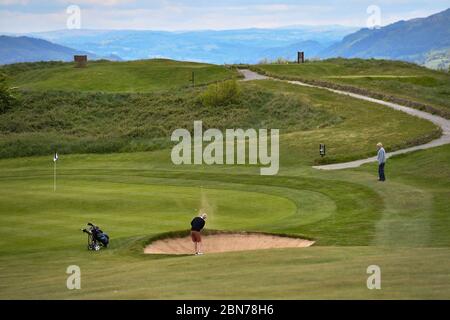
225, 243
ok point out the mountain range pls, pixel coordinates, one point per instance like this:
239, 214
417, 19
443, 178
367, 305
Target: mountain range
213, 46
413, 40
422, 40
28, 49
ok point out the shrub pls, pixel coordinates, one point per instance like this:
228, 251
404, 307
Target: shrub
7, 99
221, 94
279, 60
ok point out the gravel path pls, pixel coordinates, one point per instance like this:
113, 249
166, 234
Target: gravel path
250, 75
439, 121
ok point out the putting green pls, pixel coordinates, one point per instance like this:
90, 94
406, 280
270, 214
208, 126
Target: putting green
137, 209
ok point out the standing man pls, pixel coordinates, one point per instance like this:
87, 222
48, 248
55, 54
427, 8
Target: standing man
197, 225
381, 158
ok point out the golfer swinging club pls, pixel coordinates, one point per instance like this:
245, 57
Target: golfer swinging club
197, 225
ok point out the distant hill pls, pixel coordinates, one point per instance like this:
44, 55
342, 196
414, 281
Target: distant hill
212, 46
413, 40
27, 49
425, 41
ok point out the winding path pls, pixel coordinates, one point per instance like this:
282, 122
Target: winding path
443, 123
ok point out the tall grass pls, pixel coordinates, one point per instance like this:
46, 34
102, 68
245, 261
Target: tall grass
75, 122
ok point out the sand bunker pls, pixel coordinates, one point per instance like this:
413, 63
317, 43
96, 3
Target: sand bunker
225, 243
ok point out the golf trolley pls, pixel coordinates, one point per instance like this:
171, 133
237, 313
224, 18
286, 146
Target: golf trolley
96, 238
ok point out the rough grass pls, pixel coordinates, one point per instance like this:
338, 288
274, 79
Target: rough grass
105, 122
395, 81
221, 94
362, 125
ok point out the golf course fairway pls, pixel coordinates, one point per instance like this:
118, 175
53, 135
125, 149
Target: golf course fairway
115, 170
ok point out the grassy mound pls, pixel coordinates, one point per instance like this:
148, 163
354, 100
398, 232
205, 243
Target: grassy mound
104, 122
395, 81
107, 76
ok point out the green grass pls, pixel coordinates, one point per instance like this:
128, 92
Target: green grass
401, 225
106, 76
362, 125
355, 220
89, 172
313, 273
427, 170
105, 122
427, 89
151, 208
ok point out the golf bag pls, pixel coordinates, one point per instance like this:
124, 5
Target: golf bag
96, 238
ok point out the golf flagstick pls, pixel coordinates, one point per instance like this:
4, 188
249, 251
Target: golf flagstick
55, 158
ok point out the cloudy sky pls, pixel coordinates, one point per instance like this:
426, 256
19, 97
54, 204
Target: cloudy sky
18, 16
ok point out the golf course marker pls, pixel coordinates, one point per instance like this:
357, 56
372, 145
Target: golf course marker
55, 158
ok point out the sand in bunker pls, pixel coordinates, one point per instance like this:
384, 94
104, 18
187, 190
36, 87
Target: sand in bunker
225, 243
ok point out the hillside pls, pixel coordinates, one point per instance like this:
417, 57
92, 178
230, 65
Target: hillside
107, 76
134, 106
414, 85
410, 40
26, 49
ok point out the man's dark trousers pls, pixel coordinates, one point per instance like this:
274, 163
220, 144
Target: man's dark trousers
381, 171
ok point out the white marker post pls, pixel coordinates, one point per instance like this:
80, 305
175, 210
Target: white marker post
55, 158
